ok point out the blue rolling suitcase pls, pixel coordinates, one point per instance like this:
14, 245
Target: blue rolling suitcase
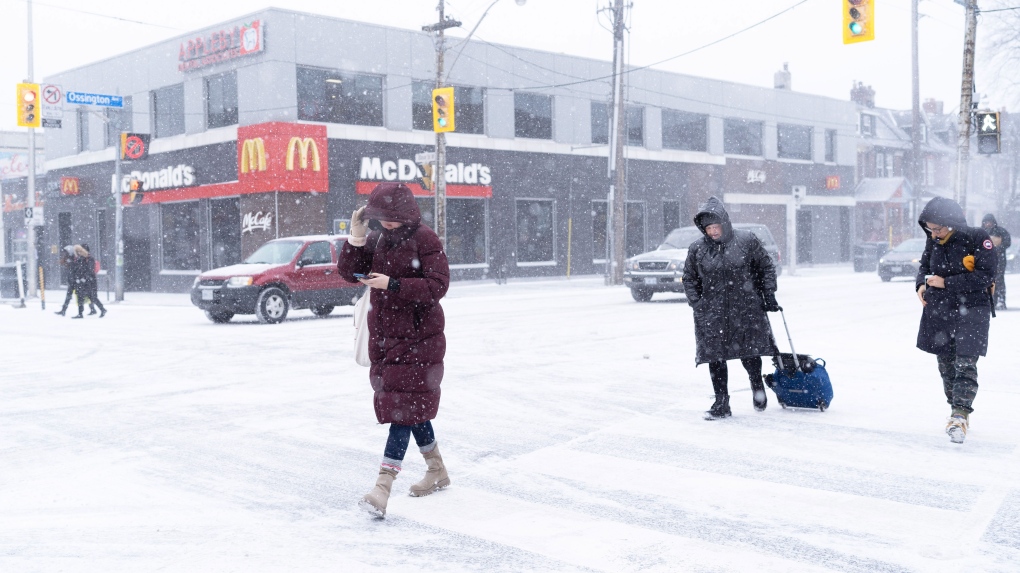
800, 382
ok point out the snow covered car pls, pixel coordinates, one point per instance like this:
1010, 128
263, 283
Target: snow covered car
285, 273
902, 261
661, 270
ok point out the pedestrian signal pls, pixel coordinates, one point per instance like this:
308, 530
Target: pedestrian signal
426, 179
989, 132
442, 110
28, 104
858, 21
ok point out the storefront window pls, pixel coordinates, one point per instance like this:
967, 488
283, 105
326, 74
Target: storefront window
465, 231
635, 239
168, 111
469, 107
742, 137
635, 125
599, 122
535, 231
118, 120
687, 131
532, 115
599, 218
225, 231
830, 145
794, 141
221, 100
179, 227
339, 97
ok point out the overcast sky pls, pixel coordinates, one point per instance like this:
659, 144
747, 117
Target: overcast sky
71, 33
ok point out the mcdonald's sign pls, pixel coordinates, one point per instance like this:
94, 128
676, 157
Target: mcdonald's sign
253, 155
69, 186
304, 147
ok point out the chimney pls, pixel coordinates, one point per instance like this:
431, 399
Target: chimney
862, 95
784, 80
932, 107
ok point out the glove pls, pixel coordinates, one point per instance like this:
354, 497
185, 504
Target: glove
769, 298
968, 262
359, 229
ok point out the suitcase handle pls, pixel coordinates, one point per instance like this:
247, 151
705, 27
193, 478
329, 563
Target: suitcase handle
820, 361
796, 362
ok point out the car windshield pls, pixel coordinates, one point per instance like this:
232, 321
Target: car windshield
274, 253
761, 232
910, 246
681, 238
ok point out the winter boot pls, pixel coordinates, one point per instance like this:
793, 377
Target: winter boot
957, 426
79, 315
61, 312
761, 400
374, 501
102, 313
720, 409
435, 478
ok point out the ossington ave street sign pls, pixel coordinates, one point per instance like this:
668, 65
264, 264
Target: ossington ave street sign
81, 98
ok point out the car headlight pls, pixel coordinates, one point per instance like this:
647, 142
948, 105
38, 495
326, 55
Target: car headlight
675, 265
632, 265
238, 281
197, 280
881, 261
915, 260
1010, 256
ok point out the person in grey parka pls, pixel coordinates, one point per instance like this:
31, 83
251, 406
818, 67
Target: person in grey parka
730, 282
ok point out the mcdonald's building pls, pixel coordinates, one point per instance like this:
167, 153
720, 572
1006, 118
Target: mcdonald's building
281, 123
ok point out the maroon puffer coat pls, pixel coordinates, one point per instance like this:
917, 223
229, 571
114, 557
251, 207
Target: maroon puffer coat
406, 343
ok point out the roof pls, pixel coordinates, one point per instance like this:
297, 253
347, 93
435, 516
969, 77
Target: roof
883, 190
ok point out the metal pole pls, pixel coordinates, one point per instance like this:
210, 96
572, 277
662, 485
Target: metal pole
440, 175
33, 254
118, 224
966, 103
617, 189
915, 133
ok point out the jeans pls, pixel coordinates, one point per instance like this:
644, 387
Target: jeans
720, 374
400, 436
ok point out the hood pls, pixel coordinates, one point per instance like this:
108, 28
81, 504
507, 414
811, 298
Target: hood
989, 218
393, 202
80, 251
944, 212
245, 270
69, 249
713, 208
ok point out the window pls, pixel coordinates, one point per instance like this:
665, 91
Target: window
794, 142
317, 253
469, 108
465, 231
179, 228
687, 131
867, 124
635, 125
830, 145
225, 231
742, 137
670, 216
118, 120
599, 220
221, 100
532, 115
83, 130
338, 97
168, 111
600, 119
100, 242
929, 171
635, 230
534, 231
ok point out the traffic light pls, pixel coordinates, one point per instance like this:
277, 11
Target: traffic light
426, 180
442, 110
135, 194
858, 21
989, 132
28, 105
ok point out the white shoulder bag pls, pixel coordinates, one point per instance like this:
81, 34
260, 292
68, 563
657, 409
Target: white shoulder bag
361, 334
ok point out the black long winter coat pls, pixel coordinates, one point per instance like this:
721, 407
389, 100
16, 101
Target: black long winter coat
961, 311
724, 281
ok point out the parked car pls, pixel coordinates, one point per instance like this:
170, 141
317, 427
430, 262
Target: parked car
661, 270
283, 274
902, 261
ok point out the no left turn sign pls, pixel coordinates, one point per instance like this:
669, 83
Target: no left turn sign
52, 95
135, 145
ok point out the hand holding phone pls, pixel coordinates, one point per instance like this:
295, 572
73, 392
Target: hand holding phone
360, 276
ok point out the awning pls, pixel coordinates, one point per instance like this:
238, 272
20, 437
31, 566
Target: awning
884, 190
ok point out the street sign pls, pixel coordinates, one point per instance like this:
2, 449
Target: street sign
102, 100
34, 216
134, 146
51, 123
52, 103
426, 157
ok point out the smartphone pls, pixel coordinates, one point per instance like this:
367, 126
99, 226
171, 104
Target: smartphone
361, 276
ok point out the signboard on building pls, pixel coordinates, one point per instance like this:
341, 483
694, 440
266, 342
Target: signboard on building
278, 156
227, 43
755, 176
462, 179
832, 182
69, 186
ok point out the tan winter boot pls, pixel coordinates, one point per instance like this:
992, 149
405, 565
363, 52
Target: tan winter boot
435, 478
374, 501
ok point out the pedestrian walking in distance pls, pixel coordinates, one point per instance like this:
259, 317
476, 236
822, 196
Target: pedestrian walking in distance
83, 272
730, 283
957, 270
403, 263
1001, 241
67, 256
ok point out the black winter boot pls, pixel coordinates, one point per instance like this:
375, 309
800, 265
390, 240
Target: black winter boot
761, 400
719, 409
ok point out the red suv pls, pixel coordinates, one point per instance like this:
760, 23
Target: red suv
285, 273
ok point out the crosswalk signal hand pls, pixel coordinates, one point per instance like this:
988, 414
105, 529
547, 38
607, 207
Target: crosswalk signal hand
858, 21
28, 105
442, 110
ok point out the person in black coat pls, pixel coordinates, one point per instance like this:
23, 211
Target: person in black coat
957, 269
1002, 241
730, 283
67, 256
83, 273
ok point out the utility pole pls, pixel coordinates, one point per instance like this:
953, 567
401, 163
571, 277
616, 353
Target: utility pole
33, 254
966, 104
916, 166
118, 224
440, 175
616, 207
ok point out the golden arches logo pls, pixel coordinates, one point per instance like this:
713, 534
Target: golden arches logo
304, 147
69, 185
253, 155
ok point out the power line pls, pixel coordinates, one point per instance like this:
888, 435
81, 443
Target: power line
97, 14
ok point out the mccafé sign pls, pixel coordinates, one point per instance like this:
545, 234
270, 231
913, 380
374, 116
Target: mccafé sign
221, 45
279, 156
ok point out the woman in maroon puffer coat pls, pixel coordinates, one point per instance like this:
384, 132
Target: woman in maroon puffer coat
408, 273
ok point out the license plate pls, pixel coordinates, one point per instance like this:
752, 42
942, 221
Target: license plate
895, 269
207, 295
651, 280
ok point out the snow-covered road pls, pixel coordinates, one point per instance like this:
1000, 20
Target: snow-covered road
154, 440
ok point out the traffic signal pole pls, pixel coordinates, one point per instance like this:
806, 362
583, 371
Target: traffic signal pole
916, 165
33, 254
616, 206
966, 105
118, 210
439, 177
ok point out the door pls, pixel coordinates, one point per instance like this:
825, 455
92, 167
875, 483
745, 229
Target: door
225, 231
804, 236
137, 264
64, 230
315, 275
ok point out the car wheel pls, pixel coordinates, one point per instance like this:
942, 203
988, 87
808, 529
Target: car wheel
272, 306
641, 295
219, 317
885, 278
322, 311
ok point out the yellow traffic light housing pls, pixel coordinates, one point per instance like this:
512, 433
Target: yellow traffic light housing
426, 179
28, 104
858, 21
442, 110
